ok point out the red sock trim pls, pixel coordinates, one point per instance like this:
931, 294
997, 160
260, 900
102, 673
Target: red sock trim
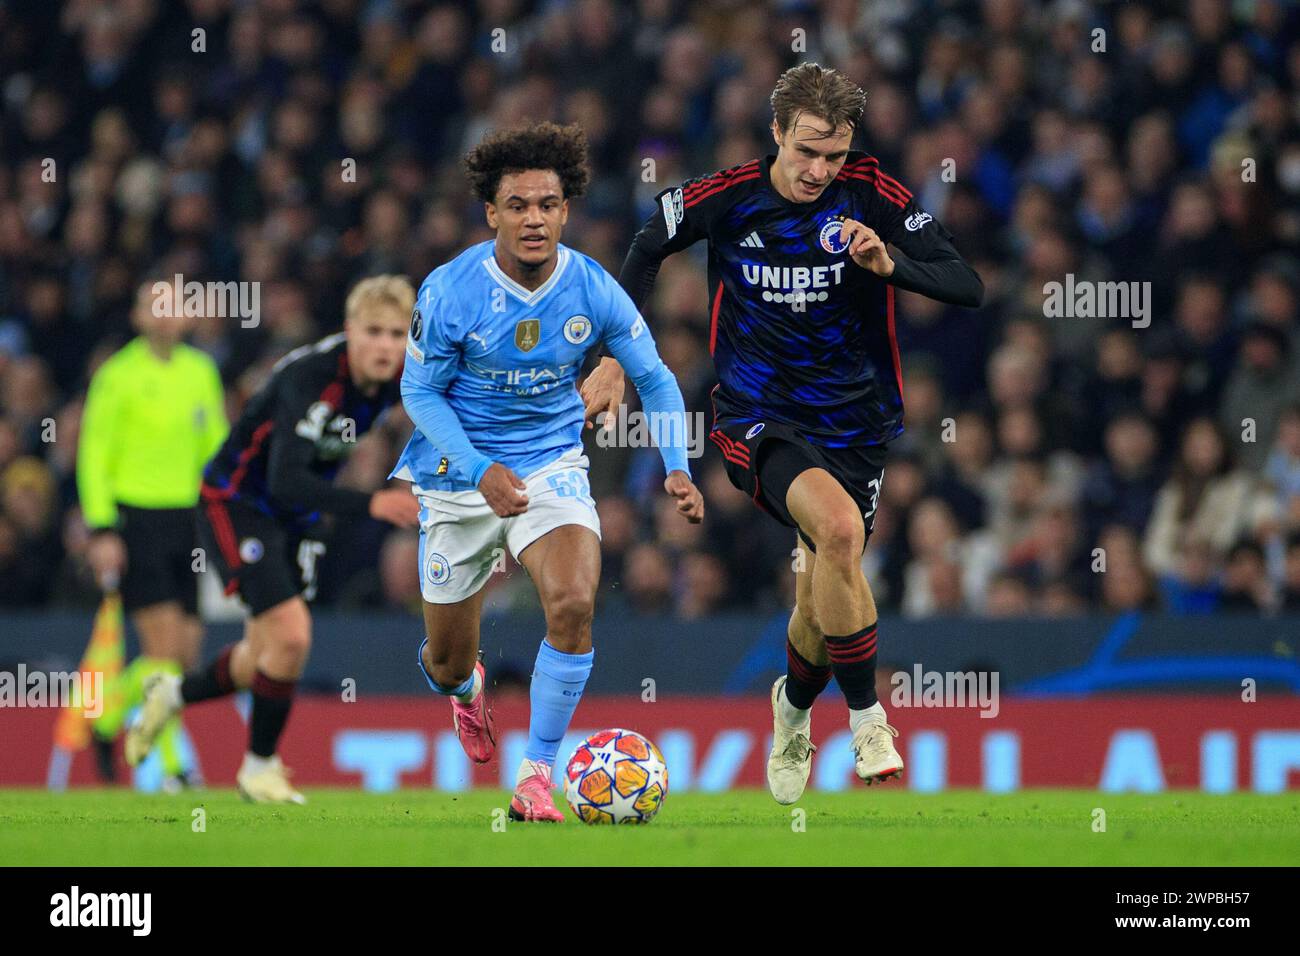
222, 670
800, 669
853, 648
272, 687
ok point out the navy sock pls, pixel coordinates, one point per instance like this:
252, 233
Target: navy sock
853, 659
272, 699
213, 681
804, 681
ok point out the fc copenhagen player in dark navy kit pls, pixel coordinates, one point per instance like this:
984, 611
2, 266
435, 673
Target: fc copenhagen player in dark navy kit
801, 299
262, 498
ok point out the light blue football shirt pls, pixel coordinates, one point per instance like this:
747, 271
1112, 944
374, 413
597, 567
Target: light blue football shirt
506, 360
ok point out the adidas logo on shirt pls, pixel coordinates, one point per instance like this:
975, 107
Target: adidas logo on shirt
752, 241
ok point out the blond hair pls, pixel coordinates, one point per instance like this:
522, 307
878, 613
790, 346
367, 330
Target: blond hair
813, 88
379, 291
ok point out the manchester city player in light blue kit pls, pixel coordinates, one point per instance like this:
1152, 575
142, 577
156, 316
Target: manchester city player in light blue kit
497, 339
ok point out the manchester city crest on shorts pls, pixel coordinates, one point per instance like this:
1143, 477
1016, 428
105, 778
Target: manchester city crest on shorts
251, 550
577, 330
527, 334
437, 569
830, 235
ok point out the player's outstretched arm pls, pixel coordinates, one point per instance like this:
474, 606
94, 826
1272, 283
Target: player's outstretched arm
429, 409
433, 361
661, 399
95, 450
396, 506
106, 551
433, 415
293, 484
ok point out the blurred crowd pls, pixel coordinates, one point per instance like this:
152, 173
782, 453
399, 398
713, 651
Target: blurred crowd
1050, 465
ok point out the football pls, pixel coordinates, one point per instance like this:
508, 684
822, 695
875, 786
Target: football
616, 776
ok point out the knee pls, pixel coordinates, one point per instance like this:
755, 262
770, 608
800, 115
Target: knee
840, 537
295, 644
289, 629
568, 615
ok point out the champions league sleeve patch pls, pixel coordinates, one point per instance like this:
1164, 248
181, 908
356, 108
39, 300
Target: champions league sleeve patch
673, 210
417, 328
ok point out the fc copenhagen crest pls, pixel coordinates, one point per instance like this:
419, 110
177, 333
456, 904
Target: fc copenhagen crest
527, 334
577, 330
830, 235
251, 550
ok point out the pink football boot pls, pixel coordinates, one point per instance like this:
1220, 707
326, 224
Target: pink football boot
475, 728
532, 799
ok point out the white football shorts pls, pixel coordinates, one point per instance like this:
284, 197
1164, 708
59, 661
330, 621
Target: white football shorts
462, 539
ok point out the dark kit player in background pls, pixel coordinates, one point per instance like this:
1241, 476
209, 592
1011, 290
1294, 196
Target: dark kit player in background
262, 499
801, 289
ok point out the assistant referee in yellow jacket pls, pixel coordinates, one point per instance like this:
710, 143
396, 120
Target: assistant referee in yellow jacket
153, 417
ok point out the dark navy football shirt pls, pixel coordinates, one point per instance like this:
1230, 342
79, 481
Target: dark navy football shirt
799, 333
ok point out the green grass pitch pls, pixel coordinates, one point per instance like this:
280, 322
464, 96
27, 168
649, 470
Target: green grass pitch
883, 826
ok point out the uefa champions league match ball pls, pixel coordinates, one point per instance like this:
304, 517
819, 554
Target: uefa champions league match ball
616, 776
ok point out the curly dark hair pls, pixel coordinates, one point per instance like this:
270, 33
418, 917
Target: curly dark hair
540, 146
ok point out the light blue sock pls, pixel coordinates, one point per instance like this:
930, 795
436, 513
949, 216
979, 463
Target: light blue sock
558, 680
460, 691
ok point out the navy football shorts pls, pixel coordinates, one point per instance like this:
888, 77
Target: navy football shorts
764, 458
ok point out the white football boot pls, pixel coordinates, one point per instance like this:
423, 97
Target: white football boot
877, 760
266, 781
790, 762
162, 702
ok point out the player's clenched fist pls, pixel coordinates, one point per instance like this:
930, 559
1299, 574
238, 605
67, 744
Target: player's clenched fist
689, 500
503, 491
396, 506
866, 248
